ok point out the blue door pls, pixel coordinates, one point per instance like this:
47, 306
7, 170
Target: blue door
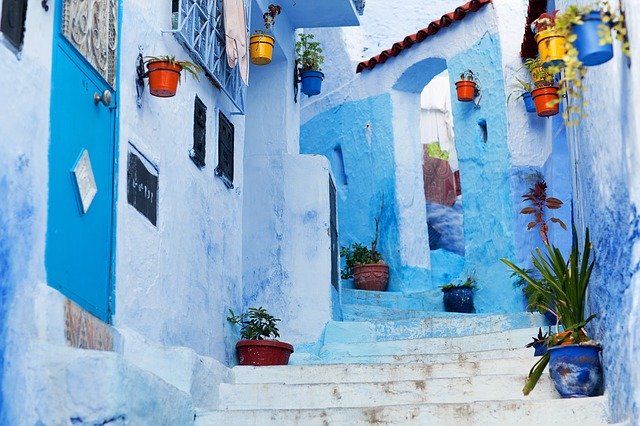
80, 237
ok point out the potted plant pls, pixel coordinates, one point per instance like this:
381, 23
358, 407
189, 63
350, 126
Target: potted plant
539, 343
539, 201
571, 350
310, 59
459, 297
523, 91
257, 326
261, 43
365, 266
550, 40
583, 47
164, 74
466, 87
545, 92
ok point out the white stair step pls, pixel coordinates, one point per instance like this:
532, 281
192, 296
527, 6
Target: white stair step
324, 395
529, 412
361, 373
505, 340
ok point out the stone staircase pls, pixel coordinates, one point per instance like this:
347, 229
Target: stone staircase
411, 367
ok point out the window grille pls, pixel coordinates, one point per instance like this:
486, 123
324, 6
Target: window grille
14, 14
199, 26
225, 150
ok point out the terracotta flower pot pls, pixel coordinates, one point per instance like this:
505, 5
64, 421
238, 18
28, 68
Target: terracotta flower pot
261, 48
546, 99
374, 276
466, 90
263, 352
163, 78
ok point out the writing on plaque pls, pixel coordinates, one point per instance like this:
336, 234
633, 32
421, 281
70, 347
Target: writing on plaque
142, 185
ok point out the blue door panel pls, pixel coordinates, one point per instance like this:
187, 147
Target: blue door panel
79, 245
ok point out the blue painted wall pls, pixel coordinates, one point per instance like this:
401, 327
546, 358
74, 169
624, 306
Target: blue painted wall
485, 174
357, 138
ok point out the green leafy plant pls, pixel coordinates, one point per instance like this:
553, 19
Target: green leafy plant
567, 287
468, 75
470, 282
309, 53
537, 197
255, 324
519, 89
187, 66
359, 254
537, 301
540, 75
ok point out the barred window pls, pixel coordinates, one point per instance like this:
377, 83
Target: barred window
199, 26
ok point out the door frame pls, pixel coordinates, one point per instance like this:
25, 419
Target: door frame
60, 41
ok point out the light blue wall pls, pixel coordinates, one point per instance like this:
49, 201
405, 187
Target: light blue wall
363, 131
484, 174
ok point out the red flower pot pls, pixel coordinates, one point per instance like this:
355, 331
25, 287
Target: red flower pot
163, 78
546, 100
263, 352
374, 276
466, 90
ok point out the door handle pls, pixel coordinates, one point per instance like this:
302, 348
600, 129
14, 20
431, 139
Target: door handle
105, 98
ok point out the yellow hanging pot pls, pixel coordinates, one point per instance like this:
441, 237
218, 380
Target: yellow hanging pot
550, 47
261, 48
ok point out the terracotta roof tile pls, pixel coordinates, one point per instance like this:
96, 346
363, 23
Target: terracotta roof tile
435, 26
529, 48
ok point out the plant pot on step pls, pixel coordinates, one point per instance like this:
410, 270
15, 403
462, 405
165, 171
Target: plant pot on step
163, 78
261, 48
575, 370
373, 276
311, 82
546, 101
550, 47
590, 51
458, 299
466, 90
263, 352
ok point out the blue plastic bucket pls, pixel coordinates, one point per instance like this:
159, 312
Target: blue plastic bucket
528, 102
311, 82
576, 370
590, 51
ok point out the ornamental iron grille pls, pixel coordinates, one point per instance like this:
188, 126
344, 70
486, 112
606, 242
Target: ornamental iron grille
14, 13
91, 26
200, 28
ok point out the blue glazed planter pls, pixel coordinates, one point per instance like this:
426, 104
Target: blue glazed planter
458, 300
576, 370
311, 82
590, 51
528, 102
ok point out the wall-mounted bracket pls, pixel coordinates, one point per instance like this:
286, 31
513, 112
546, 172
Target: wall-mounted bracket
140, 76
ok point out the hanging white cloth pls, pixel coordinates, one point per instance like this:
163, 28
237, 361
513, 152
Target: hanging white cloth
235, 29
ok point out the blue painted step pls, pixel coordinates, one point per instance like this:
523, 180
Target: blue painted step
425, 301
432, 324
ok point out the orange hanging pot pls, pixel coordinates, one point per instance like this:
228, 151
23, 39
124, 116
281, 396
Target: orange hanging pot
466, 90
546, 100
163, 78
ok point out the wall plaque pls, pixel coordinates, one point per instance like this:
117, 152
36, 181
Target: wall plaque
142, 185
85, 181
